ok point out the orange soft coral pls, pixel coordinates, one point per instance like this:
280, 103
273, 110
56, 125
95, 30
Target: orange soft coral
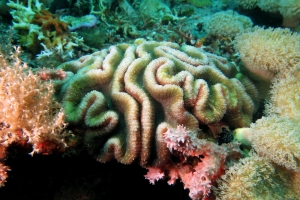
29, 116
28, 112
50, 22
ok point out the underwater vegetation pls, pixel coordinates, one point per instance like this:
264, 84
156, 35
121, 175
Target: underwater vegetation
198, 94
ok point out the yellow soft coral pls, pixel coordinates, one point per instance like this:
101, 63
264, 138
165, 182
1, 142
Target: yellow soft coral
254, 178
289, 9
285, 96
269, 49
278, 139
247, 4
275, 137
227, 23
268, 5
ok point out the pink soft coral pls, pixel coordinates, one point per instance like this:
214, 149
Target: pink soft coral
154, 174
201, 162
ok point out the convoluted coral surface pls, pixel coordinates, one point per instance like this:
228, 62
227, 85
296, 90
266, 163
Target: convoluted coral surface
127, 96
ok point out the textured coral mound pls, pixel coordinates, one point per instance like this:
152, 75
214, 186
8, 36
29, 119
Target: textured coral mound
127, 96
227, 23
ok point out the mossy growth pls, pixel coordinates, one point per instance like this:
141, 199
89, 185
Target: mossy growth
200, 3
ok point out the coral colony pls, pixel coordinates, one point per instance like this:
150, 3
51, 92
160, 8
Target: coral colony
202, 94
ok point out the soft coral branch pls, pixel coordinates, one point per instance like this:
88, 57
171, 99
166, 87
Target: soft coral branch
201, 162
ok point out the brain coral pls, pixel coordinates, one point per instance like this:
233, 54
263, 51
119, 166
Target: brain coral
128, 95
226, 23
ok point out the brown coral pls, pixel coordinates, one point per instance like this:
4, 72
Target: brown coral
50, 22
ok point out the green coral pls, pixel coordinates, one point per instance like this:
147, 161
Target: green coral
200, 3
